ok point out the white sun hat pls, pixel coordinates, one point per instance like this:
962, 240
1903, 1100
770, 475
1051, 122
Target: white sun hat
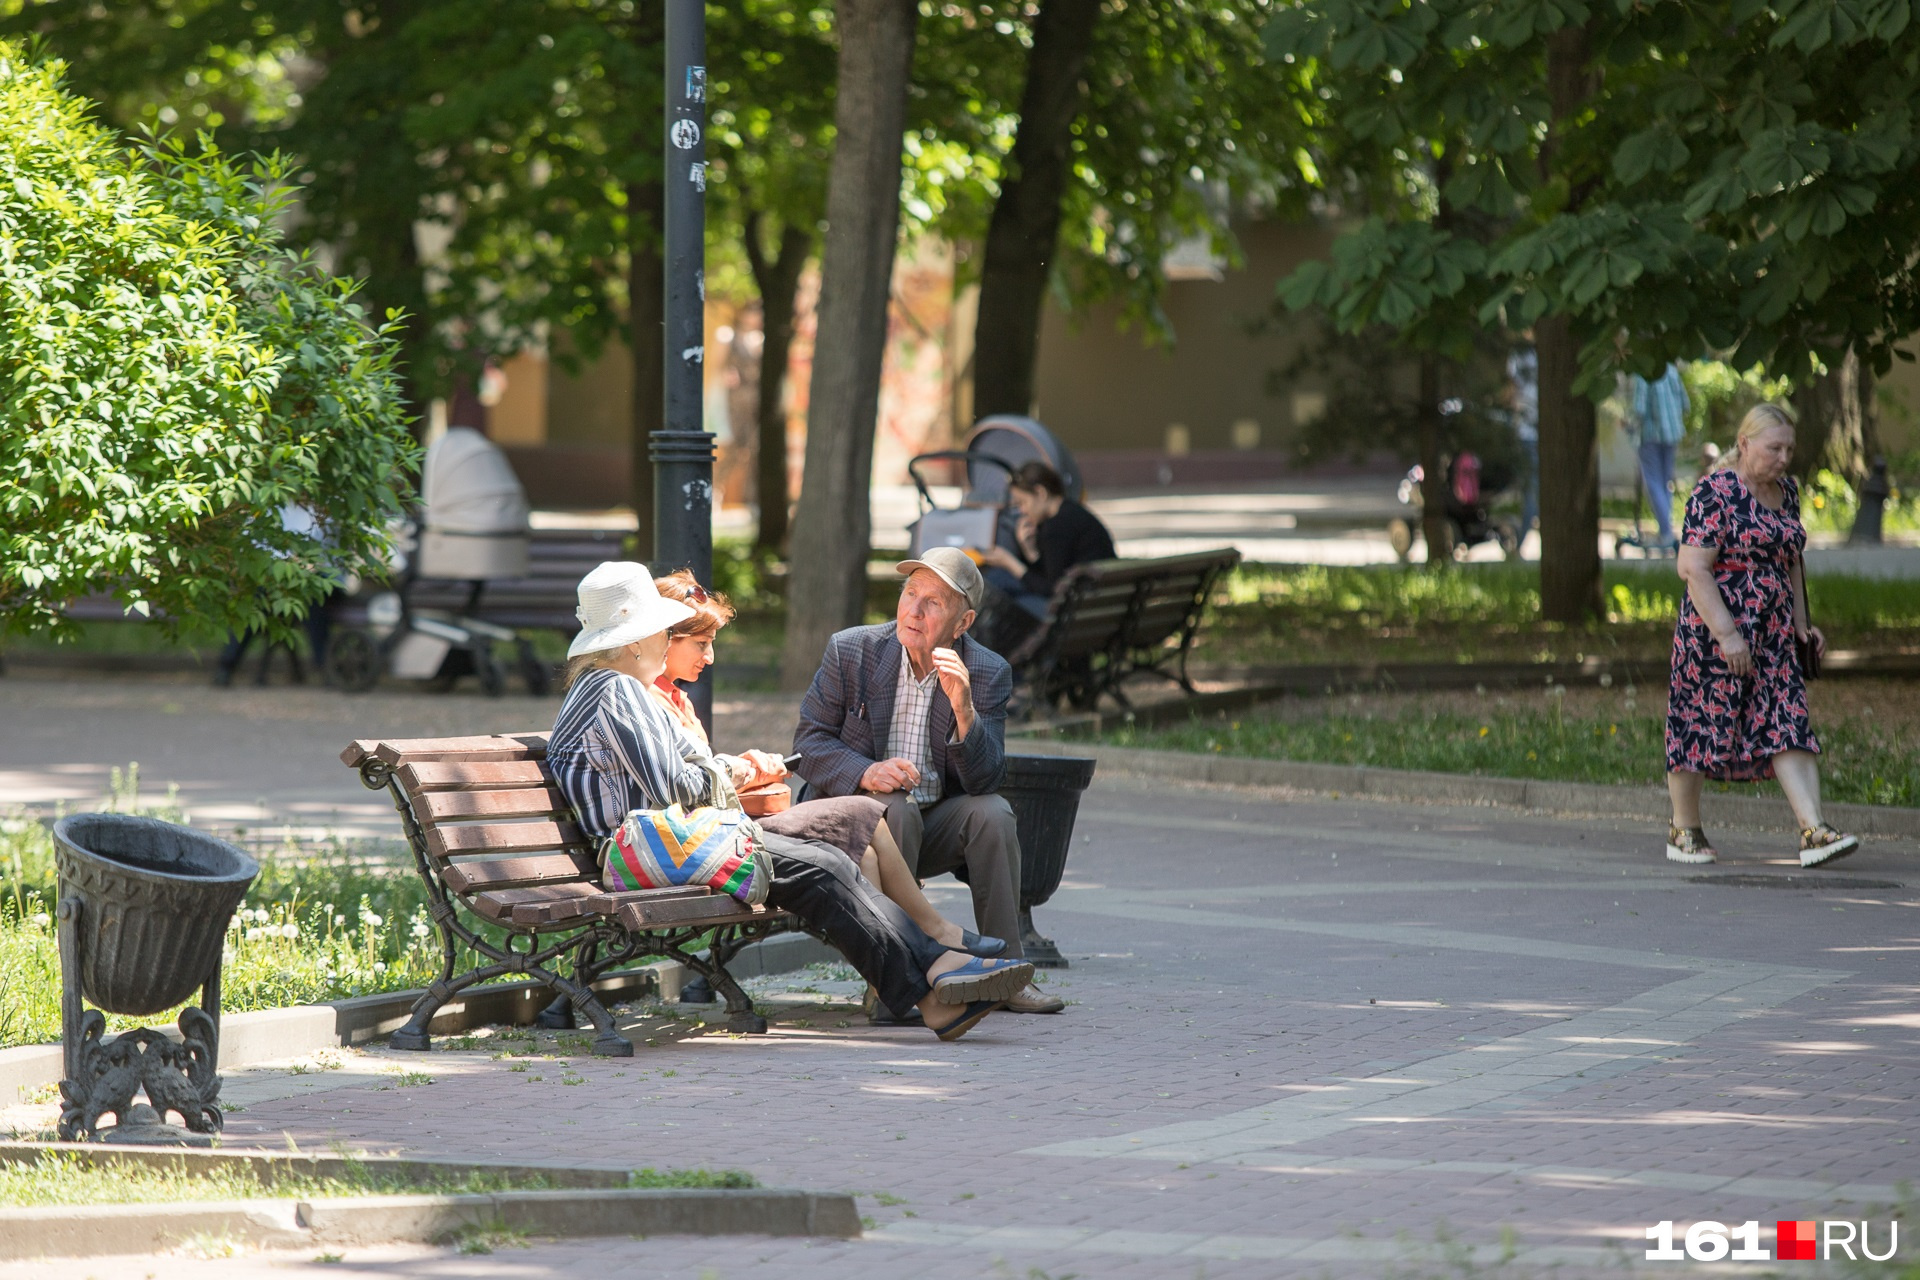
618, 605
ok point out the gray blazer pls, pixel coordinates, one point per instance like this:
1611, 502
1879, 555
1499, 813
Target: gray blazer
846, 719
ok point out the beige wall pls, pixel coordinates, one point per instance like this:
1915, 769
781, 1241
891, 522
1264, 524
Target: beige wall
592, 404
1101, 388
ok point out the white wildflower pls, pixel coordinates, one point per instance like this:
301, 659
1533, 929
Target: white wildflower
41, 919
420, 929
289, 931
379, 966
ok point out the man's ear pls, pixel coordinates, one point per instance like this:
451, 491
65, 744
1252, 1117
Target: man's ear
966, 620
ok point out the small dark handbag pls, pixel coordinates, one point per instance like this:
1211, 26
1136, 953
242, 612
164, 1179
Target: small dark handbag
1807, 651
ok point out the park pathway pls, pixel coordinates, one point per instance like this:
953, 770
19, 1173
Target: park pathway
1308, 1037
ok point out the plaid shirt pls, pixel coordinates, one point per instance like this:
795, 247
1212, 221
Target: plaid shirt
912, 718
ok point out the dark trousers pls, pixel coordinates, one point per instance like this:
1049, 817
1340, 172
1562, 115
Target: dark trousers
820, 885
975, 832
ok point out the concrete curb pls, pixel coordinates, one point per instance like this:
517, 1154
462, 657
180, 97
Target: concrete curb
1765, 812
273, 1165
269, 1035
78, 1231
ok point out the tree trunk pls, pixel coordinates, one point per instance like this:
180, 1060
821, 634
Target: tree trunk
1835, 424
1570, 589
778, 282
1026, 218
1433, 485
646, 339
827, 589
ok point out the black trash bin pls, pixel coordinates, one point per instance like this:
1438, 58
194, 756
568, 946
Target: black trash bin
1045, 794
143, 912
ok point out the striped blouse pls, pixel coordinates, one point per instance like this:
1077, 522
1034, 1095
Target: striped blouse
615, 748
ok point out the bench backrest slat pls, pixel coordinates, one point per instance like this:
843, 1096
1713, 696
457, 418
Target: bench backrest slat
434, 808
472, 775
509, 873
494, 747
502, 837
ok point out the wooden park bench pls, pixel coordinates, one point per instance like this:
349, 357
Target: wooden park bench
513, 883
544, 598
1110, 620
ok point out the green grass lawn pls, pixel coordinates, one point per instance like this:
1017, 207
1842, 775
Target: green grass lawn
1867, 730
1265, 615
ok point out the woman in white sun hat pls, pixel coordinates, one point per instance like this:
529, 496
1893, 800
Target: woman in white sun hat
614, 748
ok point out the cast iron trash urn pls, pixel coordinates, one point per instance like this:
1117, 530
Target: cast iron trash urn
143, 914
1044, 792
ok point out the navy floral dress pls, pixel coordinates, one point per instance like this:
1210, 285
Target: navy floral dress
1725, 726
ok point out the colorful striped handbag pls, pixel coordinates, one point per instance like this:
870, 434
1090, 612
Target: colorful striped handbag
668, 848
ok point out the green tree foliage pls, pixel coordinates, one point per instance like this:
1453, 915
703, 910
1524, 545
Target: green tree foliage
1669, 181
174, 376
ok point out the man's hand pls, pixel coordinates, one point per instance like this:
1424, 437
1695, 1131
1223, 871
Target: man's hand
957, 683
883, 776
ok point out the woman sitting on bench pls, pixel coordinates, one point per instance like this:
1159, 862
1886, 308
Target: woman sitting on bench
615, 748
1055, 534
855, 825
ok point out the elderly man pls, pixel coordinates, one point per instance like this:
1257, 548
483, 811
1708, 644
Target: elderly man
914, 713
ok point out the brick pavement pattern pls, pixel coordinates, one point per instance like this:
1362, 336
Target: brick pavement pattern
1307, 1037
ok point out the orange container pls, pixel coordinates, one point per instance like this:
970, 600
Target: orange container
768, 798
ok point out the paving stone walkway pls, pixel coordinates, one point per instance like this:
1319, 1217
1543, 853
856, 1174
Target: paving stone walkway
1307, 1037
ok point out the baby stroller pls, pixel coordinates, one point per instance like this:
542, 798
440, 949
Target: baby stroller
472, 527
1469, 498
995, 448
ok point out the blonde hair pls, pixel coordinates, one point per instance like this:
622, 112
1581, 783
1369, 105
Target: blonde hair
1762, 417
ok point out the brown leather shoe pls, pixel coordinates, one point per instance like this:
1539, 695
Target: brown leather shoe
1031, 999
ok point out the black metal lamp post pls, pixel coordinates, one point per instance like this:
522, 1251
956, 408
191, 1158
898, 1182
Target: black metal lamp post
682, 452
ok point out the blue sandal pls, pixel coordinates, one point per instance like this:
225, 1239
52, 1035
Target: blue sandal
982, 980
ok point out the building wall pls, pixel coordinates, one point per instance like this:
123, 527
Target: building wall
1207, 395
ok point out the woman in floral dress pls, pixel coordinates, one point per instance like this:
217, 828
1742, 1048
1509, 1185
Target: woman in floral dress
1737, 699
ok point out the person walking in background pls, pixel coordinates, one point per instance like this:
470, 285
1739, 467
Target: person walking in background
1523, 372
1737, 697
1660, 415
